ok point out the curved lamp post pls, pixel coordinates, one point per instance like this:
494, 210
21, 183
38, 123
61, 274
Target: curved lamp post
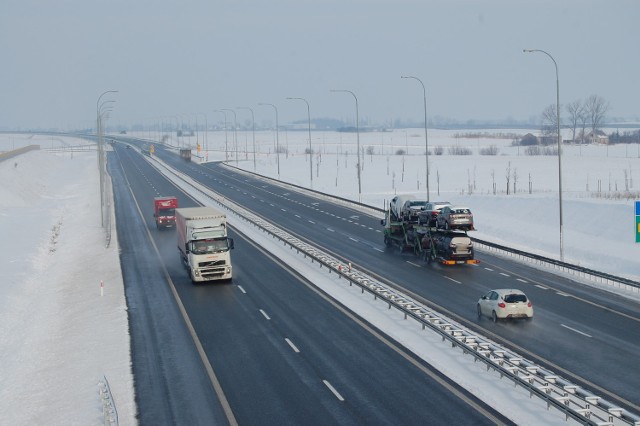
426, 140
559, 143
99, 132
357, 138
277, 140
310, 150
226, 149
235, 131
253, 126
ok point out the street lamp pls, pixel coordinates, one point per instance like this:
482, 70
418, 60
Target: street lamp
235, 131
426, 140
277, 140
253, 126
357, 138
226, 149
559, 142
100, 135
310, 150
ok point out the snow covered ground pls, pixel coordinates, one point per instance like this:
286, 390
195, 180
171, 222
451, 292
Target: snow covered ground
60, 336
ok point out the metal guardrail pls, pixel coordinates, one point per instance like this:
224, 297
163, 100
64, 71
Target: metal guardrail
582, 272
572, 400
109, 411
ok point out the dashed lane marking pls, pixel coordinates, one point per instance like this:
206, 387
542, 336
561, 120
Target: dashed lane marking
576, 331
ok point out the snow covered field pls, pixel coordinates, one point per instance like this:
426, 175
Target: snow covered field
60, 336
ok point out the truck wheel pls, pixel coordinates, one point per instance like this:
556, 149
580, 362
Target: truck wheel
494, 317
479, 312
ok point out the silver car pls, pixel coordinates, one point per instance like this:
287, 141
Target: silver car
455, 217
505, 303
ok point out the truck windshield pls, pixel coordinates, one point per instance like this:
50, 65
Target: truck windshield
209, 246
167, 212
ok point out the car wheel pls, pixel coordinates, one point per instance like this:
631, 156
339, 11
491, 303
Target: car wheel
494, 317
479, 312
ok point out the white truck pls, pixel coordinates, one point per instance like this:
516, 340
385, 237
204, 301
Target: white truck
203, 243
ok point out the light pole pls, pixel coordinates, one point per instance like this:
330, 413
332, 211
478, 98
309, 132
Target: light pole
559, 142
226, 149
310, 150
235, 131
277, 140
205, 140
357, 138
253, 126
426, 140
100, 135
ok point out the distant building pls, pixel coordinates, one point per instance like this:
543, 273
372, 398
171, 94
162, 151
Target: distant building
598, 137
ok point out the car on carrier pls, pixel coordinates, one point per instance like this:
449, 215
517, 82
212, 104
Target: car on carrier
455, 217
504, 304
431, 211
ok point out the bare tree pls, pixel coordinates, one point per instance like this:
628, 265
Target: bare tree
508, 176
575, 110
596, 108
515, 179
549, 124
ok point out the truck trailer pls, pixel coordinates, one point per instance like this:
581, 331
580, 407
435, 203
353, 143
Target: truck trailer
164, 211
447, 247
203, 243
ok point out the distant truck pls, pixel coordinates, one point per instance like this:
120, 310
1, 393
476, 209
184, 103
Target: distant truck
203, 243
164, 211
431, 244
185, 154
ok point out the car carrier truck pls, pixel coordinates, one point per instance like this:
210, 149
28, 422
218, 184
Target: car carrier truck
203, 243
164, 211
429, 243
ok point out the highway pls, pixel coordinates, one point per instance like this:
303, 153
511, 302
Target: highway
267, 348
590, 336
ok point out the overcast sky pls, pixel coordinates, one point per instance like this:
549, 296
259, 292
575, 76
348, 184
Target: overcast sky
187, 57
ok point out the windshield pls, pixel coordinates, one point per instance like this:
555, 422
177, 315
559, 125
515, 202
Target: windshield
167, 212
209, 246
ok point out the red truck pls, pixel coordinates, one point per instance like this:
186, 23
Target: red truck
164, 211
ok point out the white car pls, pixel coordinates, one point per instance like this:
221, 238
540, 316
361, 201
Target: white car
505, 303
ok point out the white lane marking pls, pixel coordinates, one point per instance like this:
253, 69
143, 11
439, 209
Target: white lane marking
414, 264
577, 331
559, 293
380, 250
333, 390
284, 210
265, 314
504, 275
521, 280
295, 349
298, 216
353, 239
330, 230
271, 205
311, 222
542, 287
242, 289
455, 281
489, 269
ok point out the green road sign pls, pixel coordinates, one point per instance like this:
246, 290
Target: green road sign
637, 221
